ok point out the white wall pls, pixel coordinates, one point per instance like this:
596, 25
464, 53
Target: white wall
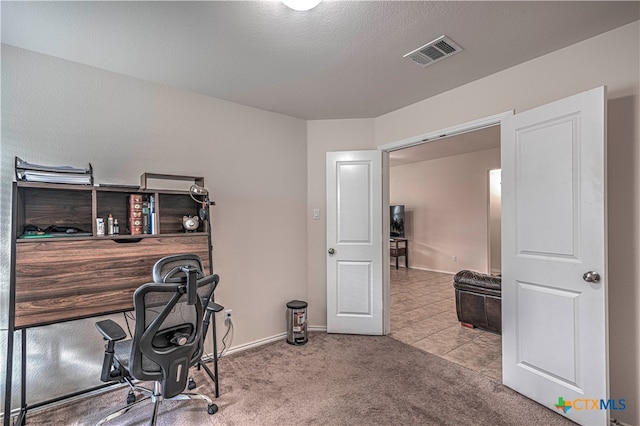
254, 162
446, 204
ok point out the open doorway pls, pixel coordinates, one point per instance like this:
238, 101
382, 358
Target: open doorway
451, 208
450, 212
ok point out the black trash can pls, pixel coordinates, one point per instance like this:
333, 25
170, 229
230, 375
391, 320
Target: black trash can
297, 322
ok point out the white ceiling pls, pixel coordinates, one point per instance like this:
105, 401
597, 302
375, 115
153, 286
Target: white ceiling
343, 59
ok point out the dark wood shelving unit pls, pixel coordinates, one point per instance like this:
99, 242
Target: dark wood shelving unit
66, 278
78, 206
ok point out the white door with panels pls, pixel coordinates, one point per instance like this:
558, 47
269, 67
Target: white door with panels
354, 242
554, 277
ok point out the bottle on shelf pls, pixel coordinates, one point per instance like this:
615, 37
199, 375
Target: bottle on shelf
110, 224
99, 226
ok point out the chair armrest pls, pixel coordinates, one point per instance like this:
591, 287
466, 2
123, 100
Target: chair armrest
214, 307
215, 278
110, 330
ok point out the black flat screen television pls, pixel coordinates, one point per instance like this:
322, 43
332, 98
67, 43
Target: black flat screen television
397, 221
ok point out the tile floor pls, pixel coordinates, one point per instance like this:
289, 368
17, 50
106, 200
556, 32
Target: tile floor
423, 314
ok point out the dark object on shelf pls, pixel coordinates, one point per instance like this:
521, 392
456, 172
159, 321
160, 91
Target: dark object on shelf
33, 231
53, 229
120, 186
479, 300
396, 214
168, 332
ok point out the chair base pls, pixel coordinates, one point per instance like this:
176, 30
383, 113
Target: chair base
155, 398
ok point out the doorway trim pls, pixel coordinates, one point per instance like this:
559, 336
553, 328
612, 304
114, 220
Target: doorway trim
458, 129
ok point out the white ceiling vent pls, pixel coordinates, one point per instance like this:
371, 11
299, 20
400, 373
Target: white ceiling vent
435, 51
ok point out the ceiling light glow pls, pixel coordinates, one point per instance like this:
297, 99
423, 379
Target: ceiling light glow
301, 5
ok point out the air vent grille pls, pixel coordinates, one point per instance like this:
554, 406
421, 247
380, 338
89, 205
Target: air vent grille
435, 51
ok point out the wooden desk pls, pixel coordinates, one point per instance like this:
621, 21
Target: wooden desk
397, 250
57, 281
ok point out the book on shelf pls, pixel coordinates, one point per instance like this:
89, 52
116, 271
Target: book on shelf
153, 219
145, 217
135, 214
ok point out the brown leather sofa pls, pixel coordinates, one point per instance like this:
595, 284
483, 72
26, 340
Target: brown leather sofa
478, 300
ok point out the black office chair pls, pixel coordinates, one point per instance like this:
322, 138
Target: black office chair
169, 270
167, 340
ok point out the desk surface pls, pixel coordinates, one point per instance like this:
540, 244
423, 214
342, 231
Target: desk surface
60, 281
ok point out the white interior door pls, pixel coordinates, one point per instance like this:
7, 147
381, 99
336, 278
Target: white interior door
555, 336
354, 242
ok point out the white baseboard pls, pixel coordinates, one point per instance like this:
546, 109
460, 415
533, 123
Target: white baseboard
266, 340
250, 345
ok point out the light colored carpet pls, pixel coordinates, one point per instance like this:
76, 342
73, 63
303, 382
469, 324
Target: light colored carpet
331, 380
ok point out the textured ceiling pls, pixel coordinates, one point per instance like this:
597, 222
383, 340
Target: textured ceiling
342, 59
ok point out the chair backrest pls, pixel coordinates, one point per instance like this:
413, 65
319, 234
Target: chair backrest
168, 335
169, 268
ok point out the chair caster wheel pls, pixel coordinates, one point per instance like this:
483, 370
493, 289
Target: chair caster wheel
131, 398
212, 409
192, 384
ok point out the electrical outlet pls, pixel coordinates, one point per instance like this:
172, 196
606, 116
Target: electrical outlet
454, 258
227, 315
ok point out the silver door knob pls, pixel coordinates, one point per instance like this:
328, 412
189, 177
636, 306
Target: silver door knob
591, 277
331, 251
